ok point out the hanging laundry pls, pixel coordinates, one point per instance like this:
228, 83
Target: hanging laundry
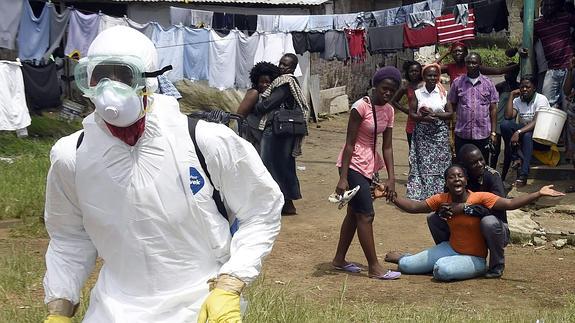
425, 54
109, 22
436, 6
223, 21
366, 20
34, 33
201, 18
246, 52
402, 13
356, 43
181, 16
58, 25
385, 39
271, 47
246, 23
415, 38
420, 19
336, 46
196, 53
299, 42
10, 16
491, 16
146, 29
82, 29
343, 21
320, 23
448, 31
191, 17
14, 112
170, 46
166, 87
268, 23
461, 13
293, 23
41, 86
385, 17
222, 60
419, 6
316, 42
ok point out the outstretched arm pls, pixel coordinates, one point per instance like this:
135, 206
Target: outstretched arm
503, 204
407, 205
488, 70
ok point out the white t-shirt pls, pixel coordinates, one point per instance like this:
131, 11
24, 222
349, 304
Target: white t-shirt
526, 110
432, 100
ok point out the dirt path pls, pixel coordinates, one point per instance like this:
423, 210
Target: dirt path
302, 255
534, 279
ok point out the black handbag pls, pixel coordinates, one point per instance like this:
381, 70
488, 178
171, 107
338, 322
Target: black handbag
289, 122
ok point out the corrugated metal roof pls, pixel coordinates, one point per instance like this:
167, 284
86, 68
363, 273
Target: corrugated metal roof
270, 2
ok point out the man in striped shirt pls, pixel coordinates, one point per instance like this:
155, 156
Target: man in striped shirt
474, 99
553, 29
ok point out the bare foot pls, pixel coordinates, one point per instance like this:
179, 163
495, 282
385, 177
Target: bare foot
393, 256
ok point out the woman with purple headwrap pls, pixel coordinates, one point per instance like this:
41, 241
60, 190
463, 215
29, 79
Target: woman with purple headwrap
359, 164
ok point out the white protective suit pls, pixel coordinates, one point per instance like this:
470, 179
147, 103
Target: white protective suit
143, 210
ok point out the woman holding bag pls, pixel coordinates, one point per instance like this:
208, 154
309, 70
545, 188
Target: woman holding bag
279, 147
359, 163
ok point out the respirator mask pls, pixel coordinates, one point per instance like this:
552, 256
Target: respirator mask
116, 85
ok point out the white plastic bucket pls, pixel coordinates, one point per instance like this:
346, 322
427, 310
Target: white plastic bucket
549, 125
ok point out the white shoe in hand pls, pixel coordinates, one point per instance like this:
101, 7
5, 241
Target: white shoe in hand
343, 199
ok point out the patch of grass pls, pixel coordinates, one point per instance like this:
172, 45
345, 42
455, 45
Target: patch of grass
21, 300
25, 166
21, 292
276, 303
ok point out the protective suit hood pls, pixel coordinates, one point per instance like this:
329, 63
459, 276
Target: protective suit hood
125, 41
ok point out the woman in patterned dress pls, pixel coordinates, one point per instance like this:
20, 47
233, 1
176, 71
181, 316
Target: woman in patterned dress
429, 155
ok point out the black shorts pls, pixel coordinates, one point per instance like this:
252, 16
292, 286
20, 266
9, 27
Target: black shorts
362, 202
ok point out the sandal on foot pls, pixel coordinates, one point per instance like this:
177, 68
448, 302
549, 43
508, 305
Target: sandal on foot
520, 182
350, 268
389, 275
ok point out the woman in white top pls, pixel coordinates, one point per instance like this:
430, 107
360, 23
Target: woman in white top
429, 155
523, 103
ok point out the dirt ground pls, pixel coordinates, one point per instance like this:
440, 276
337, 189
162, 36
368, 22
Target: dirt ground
533, 279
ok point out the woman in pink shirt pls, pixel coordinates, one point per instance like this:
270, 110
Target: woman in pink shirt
359, 164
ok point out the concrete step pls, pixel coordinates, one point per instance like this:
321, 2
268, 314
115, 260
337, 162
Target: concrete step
548, 173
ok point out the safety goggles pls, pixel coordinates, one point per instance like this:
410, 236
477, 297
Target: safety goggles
129, 70
90, 71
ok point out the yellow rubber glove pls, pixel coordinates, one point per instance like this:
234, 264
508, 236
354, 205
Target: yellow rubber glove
220, 307
58, 319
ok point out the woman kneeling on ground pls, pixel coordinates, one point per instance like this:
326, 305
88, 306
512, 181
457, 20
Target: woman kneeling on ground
359, 164
463, 256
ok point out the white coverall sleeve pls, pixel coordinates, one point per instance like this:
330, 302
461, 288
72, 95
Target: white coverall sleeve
250, 193
71, 256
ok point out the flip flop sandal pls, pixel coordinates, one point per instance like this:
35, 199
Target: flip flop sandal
347, 196
343, 199
350, 268
389, 275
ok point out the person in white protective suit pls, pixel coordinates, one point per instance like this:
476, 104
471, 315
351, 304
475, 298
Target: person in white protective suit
133, 193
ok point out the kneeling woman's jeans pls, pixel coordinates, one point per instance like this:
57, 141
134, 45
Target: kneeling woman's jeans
446, 263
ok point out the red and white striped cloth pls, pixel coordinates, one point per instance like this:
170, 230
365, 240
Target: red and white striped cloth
448, 31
